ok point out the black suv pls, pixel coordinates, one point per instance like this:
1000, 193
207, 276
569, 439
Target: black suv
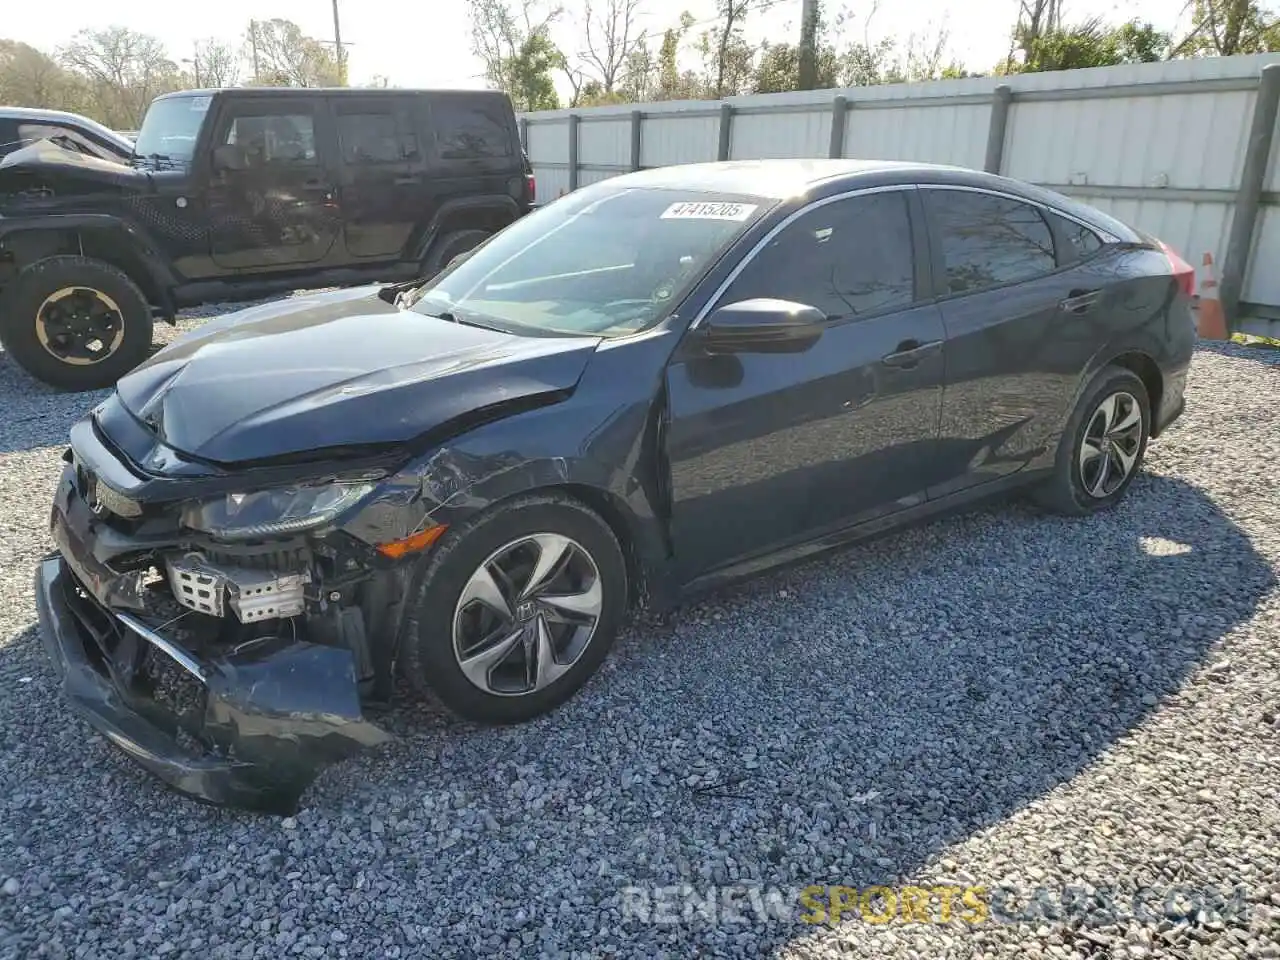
242, 193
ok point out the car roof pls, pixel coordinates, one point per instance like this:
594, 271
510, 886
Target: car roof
779, 179
332, 92
785, 179
60, 116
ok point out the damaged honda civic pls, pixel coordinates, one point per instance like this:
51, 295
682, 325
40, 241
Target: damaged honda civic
655, 384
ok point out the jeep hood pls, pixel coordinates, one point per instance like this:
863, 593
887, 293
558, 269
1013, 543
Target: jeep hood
338, 369
50, 161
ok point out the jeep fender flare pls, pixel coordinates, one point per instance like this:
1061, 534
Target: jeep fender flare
436, 228
141, 261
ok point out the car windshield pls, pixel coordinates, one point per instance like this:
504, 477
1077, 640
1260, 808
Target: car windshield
599, 262
170, 128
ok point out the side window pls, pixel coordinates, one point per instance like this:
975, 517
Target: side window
849, 258
988, 241
1081, 241
468, 128
373, 137
274, 139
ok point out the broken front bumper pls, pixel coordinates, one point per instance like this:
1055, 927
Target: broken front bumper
275, 711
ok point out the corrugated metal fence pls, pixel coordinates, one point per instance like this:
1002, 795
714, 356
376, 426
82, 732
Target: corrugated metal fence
1180, 149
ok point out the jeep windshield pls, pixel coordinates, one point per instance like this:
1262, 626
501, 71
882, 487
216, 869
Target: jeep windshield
170, 128
600, 262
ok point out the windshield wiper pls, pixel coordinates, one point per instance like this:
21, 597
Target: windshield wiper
470, 320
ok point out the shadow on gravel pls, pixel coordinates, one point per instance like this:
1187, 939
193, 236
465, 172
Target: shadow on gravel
839, 723
1262, 353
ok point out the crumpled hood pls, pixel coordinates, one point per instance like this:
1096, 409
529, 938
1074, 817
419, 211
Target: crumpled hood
70, 167
335, 369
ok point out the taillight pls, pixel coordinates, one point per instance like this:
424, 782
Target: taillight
531, 187
1183, 272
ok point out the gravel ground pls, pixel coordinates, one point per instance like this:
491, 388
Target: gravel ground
1028, 704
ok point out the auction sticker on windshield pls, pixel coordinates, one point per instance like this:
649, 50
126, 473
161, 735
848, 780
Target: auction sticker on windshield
707, 210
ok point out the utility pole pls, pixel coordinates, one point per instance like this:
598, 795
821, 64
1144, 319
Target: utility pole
337, 46
808, 42
253, 43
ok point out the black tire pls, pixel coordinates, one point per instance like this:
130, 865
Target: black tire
427, 657
1066, 491
115, 296
450, 246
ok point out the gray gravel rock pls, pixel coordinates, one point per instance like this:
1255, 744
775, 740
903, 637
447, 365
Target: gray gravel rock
1073, 714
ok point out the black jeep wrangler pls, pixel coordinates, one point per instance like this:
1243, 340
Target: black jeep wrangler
242, 193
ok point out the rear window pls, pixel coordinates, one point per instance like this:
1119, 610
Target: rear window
468, 128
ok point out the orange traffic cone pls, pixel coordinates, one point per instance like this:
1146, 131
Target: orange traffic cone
1211, 322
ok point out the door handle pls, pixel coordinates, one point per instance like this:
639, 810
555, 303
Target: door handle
1081, 301
909, 353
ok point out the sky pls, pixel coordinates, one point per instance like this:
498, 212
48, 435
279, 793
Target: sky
427, 43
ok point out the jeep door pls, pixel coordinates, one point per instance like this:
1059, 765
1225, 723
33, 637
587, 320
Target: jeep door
272, 196
381, 173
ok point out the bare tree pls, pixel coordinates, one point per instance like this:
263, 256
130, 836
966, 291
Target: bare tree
125, 69
612, 36
289, 58
1035, 19
216, 64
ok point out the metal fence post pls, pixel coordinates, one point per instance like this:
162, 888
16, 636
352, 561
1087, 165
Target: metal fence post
726, 130
1001, 97
839, 110
1257, 155
573, 151
524, 134
637, 120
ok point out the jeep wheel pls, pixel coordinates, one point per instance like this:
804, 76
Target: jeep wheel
452, 245
75, 323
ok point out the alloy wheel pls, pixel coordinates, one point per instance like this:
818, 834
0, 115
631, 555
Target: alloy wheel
80, 325
1110, 446
527, 615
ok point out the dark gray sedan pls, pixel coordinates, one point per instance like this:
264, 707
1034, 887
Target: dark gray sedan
652, 385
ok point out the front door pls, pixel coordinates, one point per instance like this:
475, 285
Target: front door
276, 207
382, 171
767, 449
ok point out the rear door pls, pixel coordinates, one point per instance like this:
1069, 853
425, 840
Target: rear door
1019, 296
382, 173
475, 150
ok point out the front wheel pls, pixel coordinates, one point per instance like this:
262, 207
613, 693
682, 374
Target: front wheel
516, 610
75, 323
1102, 447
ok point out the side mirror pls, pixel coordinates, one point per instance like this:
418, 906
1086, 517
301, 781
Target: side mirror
230, 156
764, 326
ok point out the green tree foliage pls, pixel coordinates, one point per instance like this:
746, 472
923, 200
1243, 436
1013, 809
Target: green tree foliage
1093, 44
1228, 27
529, 73
778, 69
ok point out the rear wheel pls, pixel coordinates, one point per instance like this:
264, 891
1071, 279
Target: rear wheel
516, 610
75, 323
452, 245
1102, 448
